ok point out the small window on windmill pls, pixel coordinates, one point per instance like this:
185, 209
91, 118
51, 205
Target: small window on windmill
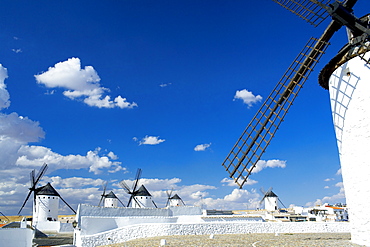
347, 72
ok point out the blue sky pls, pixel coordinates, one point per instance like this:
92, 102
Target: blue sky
97, 89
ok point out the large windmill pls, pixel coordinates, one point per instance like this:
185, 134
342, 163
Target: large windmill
249, 148
45, 198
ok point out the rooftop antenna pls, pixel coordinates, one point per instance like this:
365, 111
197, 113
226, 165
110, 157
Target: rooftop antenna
253, 142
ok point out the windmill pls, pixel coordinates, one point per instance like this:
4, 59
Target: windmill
346, 77
270, 199
34, 181
140, 196
174, 200
46, 202
111, 197
132, 192
253, 142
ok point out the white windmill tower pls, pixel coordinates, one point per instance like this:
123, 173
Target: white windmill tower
46, 203
111, 200
349, 86
270, 200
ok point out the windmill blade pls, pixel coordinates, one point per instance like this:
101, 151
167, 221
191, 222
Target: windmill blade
182, 201
104, 185
155, 205
281, 203
129, 200
4, 216
312, 11
25, 201
137, 202
137, 178
125, 186
247, 151
41, 173
32, 178
121, 202
306, 9
61, 198
169, 194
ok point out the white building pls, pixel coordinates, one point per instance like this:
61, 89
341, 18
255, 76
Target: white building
176, 201
46, 209
271, 201
349, 89
110, 200
142, 199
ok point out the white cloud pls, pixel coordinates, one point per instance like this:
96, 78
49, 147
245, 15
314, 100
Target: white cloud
328, 179
247, 97
262, 164
17, 50
339, 172
150, 140
80, 83
20, 129
202, 147
165, 84
4, 94
231, 182
31, 156
336, 198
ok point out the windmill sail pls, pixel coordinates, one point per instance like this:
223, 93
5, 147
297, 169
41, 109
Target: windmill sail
308, 10
247, 151
256, 137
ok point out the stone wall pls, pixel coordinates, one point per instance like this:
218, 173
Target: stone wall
123, 234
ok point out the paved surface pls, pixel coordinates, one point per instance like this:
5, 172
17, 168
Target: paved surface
253, 239
60, 239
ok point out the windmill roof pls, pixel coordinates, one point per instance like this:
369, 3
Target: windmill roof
270, 194
175, 197
47, 190
110, 195
142, 191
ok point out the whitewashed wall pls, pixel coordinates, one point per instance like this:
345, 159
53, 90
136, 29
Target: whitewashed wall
16, 237
123, 234
350, 102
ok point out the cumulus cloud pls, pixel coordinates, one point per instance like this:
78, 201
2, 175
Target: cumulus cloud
80, 83
4, 94
231, 182
31, 156
336, 198
262, 164
202, 147
18, 158
149, 140
247, 97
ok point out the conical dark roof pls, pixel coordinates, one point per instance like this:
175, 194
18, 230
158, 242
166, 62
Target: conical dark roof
110, 195
270, 194
47, 190
142, 191
176, 196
